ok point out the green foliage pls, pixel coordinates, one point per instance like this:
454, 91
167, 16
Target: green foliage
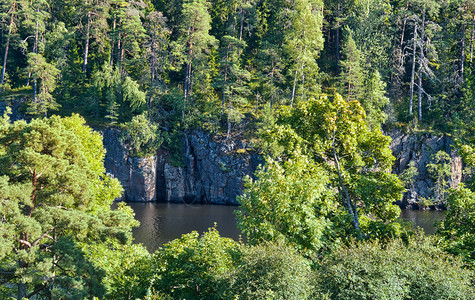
194, 267
287, 203
142, 136
54, 196
440, 170
272, 271
458, 228
126, 268
408, 174
351, 77
119, 94
357, 160
373, 100
371, 270
303, 41
45, 75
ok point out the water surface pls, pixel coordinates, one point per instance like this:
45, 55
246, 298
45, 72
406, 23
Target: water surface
423, 218
161, 223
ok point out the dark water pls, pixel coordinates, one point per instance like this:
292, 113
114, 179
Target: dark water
423, 218
163, 222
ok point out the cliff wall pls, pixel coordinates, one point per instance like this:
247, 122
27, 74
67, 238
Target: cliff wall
212, 171
419, 148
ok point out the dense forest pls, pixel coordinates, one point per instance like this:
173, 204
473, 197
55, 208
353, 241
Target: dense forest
218, 64
313, 84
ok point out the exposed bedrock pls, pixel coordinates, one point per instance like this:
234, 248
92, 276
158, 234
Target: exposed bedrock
211, 171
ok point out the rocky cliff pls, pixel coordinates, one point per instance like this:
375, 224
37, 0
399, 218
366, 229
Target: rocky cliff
419, 148
210, 172
137, 175
213, 171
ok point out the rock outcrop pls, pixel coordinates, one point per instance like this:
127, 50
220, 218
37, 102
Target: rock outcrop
409, 148
137, 175
212, 171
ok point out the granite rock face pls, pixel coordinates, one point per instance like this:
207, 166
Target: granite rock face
137, 175
213, 172
409, 148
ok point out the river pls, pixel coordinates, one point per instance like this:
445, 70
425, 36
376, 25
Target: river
162, 222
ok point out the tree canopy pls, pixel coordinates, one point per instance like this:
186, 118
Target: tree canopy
54, 197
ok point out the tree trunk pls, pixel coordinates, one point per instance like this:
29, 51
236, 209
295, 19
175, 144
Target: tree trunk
185, 88
187, 83
293, 89
462, 53
35, 50
5, 57
114, 24
223, 101
413, 69
352, 209
337, 41
152, 74
122, 54
86, 44
229, 118
421, 57
472, 38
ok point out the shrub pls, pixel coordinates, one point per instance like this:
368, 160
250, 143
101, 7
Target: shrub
272, 271
194, 267
369, 270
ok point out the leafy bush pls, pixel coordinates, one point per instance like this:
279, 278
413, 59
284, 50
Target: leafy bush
142, 136
288, 202
272, 271
194, 267
369, 270
458, 228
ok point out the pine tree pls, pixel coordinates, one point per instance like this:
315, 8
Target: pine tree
54, 197
45, 75
194, 40
9, 11
303, 43
351, 76
374, 100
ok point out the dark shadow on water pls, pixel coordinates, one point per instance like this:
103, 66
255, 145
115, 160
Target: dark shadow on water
161, 223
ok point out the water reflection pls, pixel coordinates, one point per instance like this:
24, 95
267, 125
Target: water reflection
163, 222
423, 218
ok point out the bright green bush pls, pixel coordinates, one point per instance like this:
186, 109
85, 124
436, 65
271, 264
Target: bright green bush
458, 228
142, 136
194, 267
370, 270
272, 271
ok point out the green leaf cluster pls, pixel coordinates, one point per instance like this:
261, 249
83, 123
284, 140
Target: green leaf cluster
55, 198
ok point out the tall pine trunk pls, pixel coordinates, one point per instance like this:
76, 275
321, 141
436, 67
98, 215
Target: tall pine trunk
462, 53
187, 83
7, 46
86, 44
413, 69
421, 57
114, 24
